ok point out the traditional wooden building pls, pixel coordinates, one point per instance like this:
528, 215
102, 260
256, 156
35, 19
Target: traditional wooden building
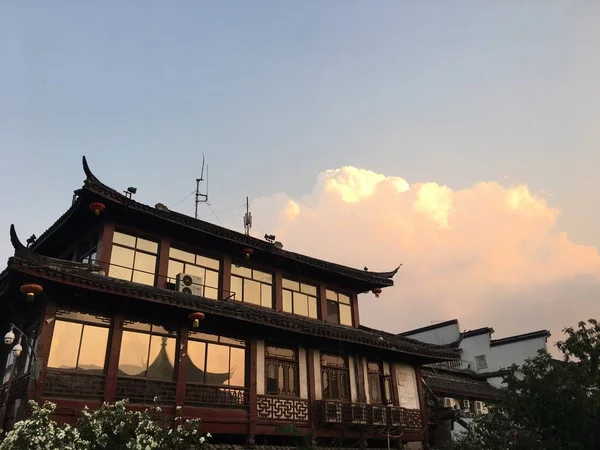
122, 300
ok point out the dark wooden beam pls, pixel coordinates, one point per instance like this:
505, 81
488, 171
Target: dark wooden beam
162, 269
112, 366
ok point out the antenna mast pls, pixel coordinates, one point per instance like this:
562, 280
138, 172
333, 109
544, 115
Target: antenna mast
201, 198
247, 219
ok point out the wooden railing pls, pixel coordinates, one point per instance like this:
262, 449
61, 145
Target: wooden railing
69, 384
144, 391
360, 414
216, 396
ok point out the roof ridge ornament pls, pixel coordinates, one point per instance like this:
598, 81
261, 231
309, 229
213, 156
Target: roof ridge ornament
88, 173
15, 241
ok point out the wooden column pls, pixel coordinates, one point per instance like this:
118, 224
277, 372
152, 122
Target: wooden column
105, 245
355, 315
163, 263
394, 381
323, 302
278, 291
46, 331
110, 386
362, 395
253, 394
181, 365
310, 367
225, 280
423, 407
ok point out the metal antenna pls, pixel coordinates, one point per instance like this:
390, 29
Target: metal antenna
247, 219
201, 198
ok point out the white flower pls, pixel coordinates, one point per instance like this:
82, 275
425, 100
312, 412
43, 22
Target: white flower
208, 435
202, 440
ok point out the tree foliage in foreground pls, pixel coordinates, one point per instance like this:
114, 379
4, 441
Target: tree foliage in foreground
549, 404
111, 427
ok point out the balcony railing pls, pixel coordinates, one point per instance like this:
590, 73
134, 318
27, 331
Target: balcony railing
360, 414
211, 396
143, 391
65, 384
281, 408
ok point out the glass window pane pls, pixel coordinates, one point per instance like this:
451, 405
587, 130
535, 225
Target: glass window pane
300, 304
287, 301
208, 262
181, 255
137, 326
344, 299
331, 295
232, 341
292, 379
312, 307
212, 278
124, 239
162, 357
212, 293
345, 315
195, 366
333, 315
147, 246
203, 336
175, 268
143, 278
289, 284
92, 355
217, 363
236, 288
271, 377
81, 317
238, 367
281, 352
145, 262
157, 329
262, 276
65, 345
266, 295
121, 259
308, 289
133, 357
242, 271
252, 292
196, 271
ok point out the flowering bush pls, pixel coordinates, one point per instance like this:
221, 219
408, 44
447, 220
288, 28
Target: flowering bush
111, 427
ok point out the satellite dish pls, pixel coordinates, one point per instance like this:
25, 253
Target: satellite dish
278, 245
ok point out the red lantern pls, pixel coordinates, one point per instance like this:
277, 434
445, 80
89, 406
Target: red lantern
376, 291
196, 317
247, 252
97, 207
31, 290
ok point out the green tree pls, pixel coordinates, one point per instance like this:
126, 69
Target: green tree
548, 404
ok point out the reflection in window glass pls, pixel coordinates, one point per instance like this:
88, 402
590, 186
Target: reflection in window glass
339, 309
215, 362
252, 286
133, 259
299, 298
147, 354
197, 265
78, 346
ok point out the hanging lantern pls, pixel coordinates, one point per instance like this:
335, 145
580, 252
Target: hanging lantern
247, 252
376, 291
31, 290
196, 317
97, 207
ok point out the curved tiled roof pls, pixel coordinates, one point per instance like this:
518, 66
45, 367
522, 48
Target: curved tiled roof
459, 383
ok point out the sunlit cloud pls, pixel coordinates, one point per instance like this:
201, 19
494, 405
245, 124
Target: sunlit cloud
489, 255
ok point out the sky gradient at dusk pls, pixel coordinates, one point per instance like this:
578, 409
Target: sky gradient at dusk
324, 114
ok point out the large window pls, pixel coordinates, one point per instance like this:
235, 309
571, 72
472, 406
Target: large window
281, 371
147, 351
207, 269
380, 385
133, 259
216, 360
339, 309
252, 286
335, 377
299, 298
79, 342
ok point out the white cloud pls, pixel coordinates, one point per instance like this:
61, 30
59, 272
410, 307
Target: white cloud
488, 255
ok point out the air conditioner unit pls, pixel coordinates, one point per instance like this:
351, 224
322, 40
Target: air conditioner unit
189, 284
359, 413
466, 404
333, 412
447, 402
379, 415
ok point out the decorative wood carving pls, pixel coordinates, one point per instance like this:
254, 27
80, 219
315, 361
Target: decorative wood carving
277, 408
216, 396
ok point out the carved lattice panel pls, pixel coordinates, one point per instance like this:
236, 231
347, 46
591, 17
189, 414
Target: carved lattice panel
287, 409
73, 385
215, 396
412, 419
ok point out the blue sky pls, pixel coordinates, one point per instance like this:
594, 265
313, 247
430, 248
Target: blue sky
275, 92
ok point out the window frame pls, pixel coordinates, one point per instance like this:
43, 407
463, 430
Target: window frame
260, 282
172, 280
384, 383
136, 250
337, 370
219, 340
287, 363
339, 303
67, 316
316, 296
